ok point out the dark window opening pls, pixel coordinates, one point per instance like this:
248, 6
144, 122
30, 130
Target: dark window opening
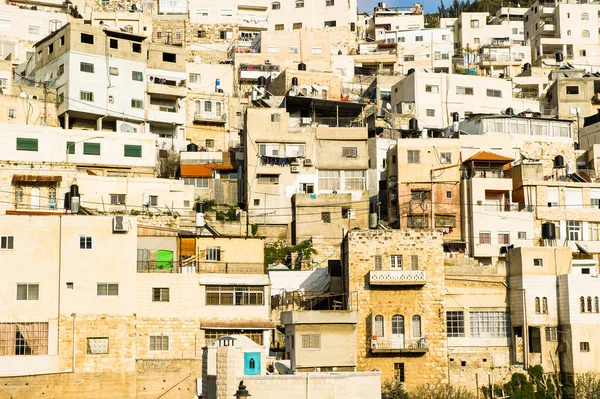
137, 48
87, 38
114, 43
169, 57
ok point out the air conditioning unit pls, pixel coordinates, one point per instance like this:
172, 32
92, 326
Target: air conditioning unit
295, 169
120, 224
308, 162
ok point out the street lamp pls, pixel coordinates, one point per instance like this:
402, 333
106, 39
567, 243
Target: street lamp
242, 392
72, 145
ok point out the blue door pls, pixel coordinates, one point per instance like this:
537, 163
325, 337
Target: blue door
252, 363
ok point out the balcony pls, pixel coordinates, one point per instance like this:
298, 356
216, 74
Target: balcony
209, 117
253, 21
399, 344
165, 114
166, 87
397, 277
191, 266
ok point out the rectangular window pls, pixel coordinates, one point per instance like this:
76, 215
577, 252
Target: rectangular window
86, 96
226, 12
326, 217
34, 30
273, 49
114, 43
355, 180
138, 76
23, 338
107, 289
87, 38
551, 334
414, 262
445, 220
136, 47
209, 143
490, 324
330, 24
552, 197
584, 346
317, 51
485, 238
234, 295
399, 372
153, 200
195, 78
159, 343
117, 199
430, 112
494, 93
329, 180
201, 12
348, 213
414, 156
85, 242
446, 157
267, 179
418, 38
169, 57
503, 238
24, 144
113, 71
474, 23
594, 230
455, 323
432, 88
574, 230
133, 151
396, 262
201, 34
226, 34
329, 3
311, 341
198, 182
465, 91
572, 89
418, 222
294, 50
7, 242
522, 235
378, 261
297, 25
160, 295
213, 254
28, 292
349, 152
538, 262
279, 27
91, 148
97, 346
138, 104
409, 58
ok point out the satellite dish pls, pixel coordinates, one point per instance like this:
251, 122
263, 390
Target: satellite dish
224, 117
126, 128
388, 106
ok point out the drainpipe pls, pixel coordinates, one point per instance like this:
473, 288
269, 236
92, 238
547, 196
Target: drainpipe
74, 315
307, 386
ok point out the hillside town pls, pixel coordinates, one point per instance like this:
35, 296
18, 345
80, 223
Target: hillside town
300, 199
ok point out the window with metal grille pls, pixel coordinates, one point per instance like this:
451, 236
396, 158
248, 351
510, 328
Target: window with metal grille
349, 152
445, 221
28, 292
91, 148
399, 372
7, 242
414, 262
377, 259
311, 341
584, 346
396, 262
24, 144
416, 326
413, 156
552, 334
455, 323
107, 289
234, 295
446, 157
355, 180
97, 345
159, 343
134, 151
117, 199
213, 254
379, 329
160, 295
23, 339
418, 222
154, 200
86, 67
85, 242
136, 103
490, 324
326, 217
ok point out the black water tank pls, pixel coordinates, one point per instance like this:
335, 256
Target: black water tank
262, 81
559, 161
74, 190
548, 231
67, 201
413, 124
294, 81
455, 117
526, 66
410, 71
558, 57
191, 147
302, 66
199, 207
509, 111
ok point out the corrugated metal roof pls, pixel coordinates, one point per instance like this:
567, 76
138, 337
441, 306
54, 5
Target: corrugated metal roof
202, 170
237, 324
489, 156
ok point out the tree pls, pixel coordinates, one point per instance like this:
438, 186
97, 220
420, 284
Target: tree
390, 389
587, 386
534, 385
168, 163
281, 252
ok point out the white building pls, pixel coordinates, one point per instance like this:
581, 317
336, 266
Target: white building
430, 49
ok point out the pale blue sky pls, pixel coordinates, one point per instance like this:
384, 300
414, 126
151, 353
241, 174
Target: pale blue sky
428, 5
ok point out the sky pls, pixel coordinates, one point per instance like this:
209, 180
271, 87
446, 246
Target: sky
428, 5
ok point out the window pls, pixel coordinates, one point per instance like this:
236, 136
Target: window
158, 34
117, 199
234, 295
317, 51
279, 27
413, 156
275, 117
329, 180
494, 93
348, 213
416, 326
211, 336
307, 188
34, 30
114, 43
138, 76
97, 346
414, 262
378, 262
474, 23
23, 339
86, 96
582, 53
455, 323
594, 230
448, 194
574, 230
589, 304
276, 5
299, 3
485, 238
329, 3
195, 78
201, 34
355, 180
135, 103
476, 40
418, 38
379, 326
490, 324
581, 304
169, 57
330, 24
311, 341
267, 179
107, 289
91, 148
522, 235
585, 34
432, 88
446, 157
584, 346
153, 200
445, 220
85, 242
7, 242
538, 262
596, 305
349, 152
552, 197
209, 143
399, 372
136, 47
19, 195
430, 112
503, 238
418, 222
396, 262
326, 217
409, 58
198, 182
551, 334
572, 89
296, 25
160, 295
28, 292
159, 343
133, 151
24, 144
226, 12
113, 71
545, 305
465, 91
537, 305
295, 150
87, 38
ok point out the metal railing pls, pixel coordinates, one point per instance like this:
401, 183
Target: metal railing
153, 266
399, 344
192, 266
396, 276
339, 122
306, 300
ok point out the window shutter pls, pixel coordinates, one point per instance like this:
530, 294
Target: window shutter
24, 144
71, 147
134, 151
91, 148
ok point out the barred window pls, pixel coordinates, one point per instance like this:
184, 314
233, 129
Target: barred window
211, 336
97, 346
355, 180
234, 295
311, 341
455, 323
329, 180
379, 326
490, 324
414, 262
160, 295
159, 342
23, 339
213, 254
377, 262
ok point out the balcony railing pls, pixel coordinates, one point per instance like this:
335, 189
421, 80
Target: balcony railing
306, 300
399, 344
208, 117
397, 277
192, 266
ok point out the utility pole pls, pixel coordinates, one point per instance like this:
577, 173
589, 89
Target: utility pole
45, 84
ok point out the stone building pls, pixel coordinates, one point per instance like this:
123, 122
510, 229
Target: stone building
401, 327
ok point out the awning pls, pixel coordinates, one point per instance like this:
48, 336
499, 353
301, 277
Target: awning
237, 324
203, 170
36, 179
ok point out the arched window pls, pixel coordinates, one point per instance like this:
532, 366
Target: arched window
275, 5
198, 106
416, 326
585, 16
324, 94
52, 198
398, 324
19, 195
379, 327
581, 304
545, 305
537, 304
585, 33
596, 305
568, 33
218, 109
159, 34
589, 303
299, 3
207, 106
